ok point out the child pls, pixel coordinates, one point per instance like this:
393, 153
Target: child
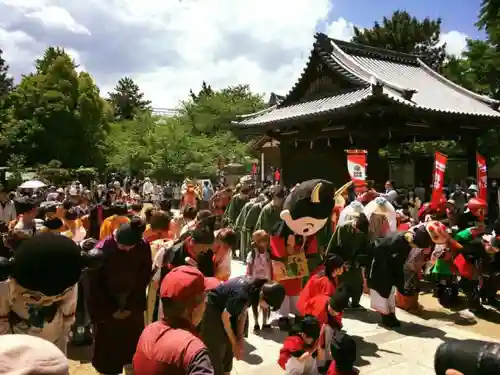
343, 349
332, 323
259, 267
296, 355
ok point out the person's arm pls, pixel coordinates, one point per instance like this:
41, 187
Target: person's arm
226, 321
201, 364
241, 325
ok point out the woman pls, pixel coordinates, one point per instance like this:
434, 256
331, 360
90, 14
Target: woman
117, 297
223, 324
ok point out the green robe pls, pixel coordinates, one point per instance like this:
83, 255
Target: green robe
353, 247
268, 218
251, 220
239, 227
234, 208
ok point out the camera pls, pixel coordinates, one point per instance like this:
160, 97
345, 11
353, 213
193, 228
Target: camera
470, 357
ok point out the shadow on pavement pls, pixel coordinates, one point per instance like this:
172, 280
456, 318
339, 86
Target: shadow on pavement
250, 357
367, 349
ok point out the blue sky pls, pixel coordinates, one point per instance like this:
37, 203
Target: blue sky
457, 15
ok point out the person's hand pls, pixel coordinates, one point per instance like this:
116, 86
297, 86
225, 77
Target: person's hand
453, 372
121, 314
238, 350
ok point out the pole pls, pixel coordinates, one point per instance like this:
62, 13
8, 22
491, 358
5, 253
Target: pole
262, 168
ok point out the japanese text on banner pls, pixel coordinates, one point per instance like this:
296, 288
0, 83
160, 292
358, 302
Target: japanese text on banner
440, 161
356, 165
482, 177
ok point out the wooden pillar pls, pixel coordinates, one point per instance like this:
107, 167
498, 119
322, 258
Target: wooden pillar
470, 151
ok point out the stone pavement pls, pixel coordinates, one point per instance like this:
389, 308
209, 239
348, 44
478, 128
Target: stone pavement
407, 350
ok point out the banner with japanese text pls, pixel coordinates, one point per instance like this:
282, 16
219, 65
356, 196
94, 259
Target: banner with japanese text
440, 161
482, 177
356, 166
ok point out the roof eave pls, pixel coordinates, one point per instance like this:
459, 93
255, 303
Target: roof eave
495, 104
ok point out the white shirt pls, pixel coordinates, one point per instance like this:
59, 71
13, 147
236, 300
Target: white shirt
147, 188
7, 211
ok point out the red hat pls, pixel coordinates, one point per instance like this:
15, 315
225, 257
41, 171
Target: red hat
186, 282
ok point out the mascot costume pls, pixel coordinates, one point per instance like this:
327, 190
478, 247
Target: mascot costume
381, 216
306, 210
350, 213
390, 254
38, 294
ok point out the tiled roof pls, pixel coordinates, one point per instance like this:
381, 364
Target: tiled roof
404, 78
412, 82
311, 108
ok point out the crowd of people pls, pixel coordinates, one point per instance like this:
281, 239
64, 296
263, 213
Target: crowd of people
152, 291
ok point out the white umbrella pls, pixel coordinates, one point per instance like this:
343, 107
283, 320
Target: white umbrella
32, 184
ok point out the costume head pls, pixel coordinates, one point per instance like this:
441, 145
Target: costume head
425, 234
307, 208
48, 264
382, 216
478, 208
350, 213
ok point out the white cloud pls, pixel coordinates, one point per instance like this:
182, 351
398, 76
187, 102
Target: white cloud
456, 42
171, 46
340, 29
53, 16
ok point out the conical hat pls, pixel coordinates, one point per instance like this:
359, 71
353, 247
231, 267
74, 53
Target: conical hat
350, 212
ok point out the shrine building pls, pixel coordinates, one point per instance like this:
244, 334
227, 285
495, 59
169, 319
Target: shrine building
352, 96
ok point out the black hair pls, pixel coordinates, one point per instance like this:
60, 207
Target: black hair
119, 208
203, 214
71, 214
228, 237
189, 212
273, 294
421, 237
136, 206
53, 223
344, 351
24, 205
362, 223
332, 263
166, 205
339, 300
67, 204
311, 327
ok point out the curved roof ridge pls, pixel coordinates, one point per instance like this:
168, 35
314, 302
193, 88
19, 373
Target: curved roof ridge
261, 112
348, 61
483, 98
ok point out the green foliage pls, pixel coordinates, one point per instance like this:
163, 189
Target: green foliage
6, 81
489, 20
127, 100
211, 111
404, 33
56, 114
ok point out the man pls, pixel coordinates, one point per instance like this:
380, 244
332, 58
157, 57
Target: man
207, 194
171, 345
270, 214
7, 210
147, 188
390, 193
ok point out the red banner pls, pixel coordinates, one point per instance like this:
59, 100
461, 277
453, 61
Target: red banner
277, 175
356, 166
440, 161
482, 177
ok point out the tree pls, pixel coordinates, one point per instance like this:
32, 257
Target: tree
489, 20
127, 100
6, 81
213, 111
404, 33
57, 114
206, 90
